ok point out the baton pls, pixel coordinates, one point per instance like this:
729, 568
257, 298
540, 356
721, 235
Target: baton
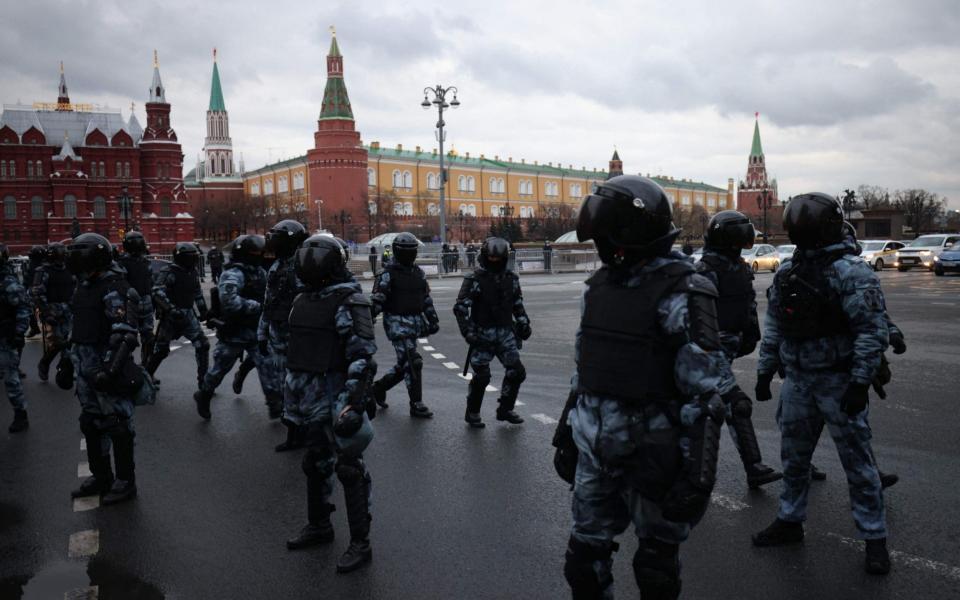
466, 364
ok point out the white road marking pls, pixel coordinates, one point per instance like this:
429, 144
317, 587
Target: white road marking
211, 334
451, 365
83, 470
423, 341
175, 347
490, 388
84, 543
466, 377
543, 419
86, 503
910, 560
438, 356
943, 303
519, 403
429, 348
728, 503
83, 444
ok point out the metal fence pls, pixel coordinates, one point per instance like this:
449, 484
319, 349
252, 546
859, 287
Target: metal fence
521, 262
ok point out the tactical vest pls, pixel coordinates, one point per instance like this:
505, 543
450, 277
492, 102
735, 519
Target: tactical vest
809, 308
494, 307
138, 274
90, 323
253, 288
735, 287
315, 346
183, 290
408, 291
60, 284
281, 290
623, 351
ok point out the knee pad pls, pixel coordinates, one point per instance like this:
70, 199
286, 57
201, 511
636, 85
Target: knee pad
88, 424
579, 569
203, 345
482, 375
416, 362
316, 463
350, 470
161, 350
516, 374
656, 566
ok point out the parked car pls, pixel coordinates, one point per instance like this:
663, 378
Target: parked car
761, 256
786, 251
880, 253
949, 260
921, 251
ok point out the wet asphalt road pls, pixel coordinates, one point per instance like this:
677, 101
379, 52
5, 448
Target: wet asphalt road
460, 513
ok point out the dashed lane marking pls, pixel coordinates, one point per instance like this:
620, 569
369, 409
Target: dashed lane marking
83, 444
83, 470
438, 356
86, 503
429, 348
909, 560
728, 503
175, 347
451, 365
543, 419
466, 377
84, 543
490, 388
519, 403
211, 334
423, 341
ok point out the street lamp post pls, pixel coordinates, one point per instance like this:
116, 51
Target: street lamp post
125, 202
440, 100
319, 204
343, 217
763, 202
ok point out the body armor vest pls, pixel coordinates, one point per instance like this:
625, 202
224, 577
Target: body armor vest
623, 352
315, 346
408, 291
734, 286
281, 290
138, 274
183, 290
253, 288
90, 323
809, 308
60, 284
494, 307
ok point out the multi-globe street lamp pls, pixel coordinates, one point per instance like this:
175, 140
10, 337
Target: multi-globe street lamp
440, 100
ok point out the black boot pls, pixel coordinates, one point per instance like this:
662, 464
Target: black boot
418, 409
816, 474
125, 487
20, 421
877, 559
779, 533
246, 365
275, 406
121, 491
101, 473
318, 529
294, 438
380, 394
474, 402
888, 479
356, 493
505, 410
202, 398
92, 486
760, 474
43, 367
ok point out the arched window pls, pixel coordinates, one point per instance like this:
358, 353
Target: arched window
119, 169
472, 210
397, 180
30, 169
407, 180
371, 177
166, 209
223, 164
99, 208
69, 206
431, 181
126, 170
408, 209
9, 207
494, 210
471, 184
268, 186
103, 169
282, 186
432, 209
255, 189
493, 185
36, 207
398, 208
3, 169
298, 180
284, 209
12, 166
462, 183
39, 168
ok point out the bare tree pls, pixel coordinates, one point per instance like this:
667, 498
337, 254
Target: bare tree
922, 209
873, 196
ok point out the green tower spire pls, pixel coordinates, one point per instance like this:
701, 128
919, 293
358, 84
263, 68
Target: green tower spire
336, 102
756, 149
216, 93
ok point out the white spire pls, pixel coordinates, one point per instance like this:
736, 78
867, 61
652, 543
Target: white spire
157, 93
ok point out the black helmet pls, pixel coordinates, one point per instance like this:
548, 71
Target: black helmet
285, 237
629, 218
134, 243
319, 260
56, 253
405, 247
729, 230
37, 254
813, 220
248, 249
89, 253
186, 255
345, 246
494, 254
850, 235
4, 255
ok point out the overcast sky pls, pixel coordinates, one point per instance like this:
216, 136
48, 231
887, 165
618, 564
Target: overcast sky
848, 92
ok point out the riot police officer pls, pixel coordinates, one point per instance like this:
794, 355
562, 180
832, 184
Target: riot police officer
826, 326
14, 321
134, 260
175, 295
36, 256
402, 294
53, 287
282, 241
103, 341
727, 234
215, 258
641, 427
241, 292
493, 321
329, 368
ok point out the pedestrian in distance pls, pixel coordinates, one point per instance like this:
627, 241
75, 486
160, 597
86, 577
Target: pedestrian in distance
640, 433
329, 369
826, 326
215, 258
402, 294
728, 233
15, 311
373, 259
494, 323
52, 292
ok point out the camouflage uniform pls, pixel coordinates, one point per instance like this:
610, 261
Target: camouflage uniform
178, 318
241, 315
818, 371
403, 329
140, 277
29, 272
498, 341
215, 258
52, 290
282, 287
631, 453
14, 321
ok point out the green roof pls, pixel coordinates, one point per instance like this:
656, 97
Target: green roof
334, 48
756, 149
336, 103
216, 94
288, 162
616, 155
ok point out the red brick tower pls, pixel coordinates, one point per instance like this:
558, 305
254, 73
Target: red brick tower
337, 164
616, 165
757, 187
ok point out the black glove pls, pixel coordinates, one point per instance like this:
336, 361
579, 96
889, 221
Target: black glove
855, 398
349, 422
433, 327
263, 346
471, 337
523, 330
101, 381
762, 391
897, 342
